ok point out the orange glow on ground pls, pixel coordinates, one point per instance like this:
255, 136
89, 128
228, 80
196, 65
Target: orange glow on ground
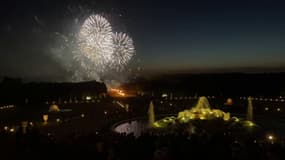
114, 92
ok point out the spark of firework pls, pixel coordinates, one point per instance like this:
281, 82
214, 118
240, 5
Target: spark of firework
123, 51
95, 43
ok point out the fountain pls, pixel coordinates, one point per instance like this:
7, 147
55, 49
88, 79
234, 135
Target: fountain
249, 109
203, 103
202, 111
151, 116
199, 116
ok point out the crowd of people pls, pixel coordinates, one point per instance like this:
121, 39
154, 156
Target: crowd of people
150, 145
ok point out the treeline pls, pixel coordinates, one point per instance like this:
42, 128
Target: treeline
15, 91
230, 84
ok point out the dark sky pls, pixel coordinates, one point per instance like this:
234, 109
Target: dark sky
170, 36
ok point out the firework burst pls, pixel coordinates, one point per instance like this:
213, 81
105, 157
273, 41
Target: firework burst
95, 52
95, 43
123, 51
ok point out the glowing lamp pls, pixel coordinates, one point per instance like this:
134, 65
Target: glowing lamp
229, 102
270, 137
164, 95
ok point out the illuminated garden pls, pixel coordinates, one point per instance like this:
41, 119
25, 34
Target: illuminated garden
201, 111
198, 119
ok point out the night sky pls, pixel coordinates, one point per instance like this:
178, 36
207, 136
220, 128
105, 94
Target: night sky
170, 36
